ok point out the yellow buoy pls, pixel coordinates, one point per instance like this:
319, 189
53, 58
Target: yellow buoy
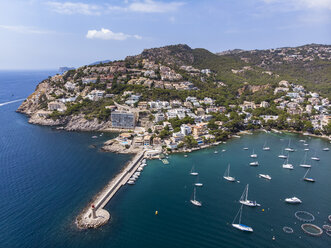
262, 209
156, 212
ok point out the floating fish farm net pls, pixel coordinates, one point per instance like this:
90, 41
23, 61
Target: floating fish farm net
287, 229
312, 229
304, 216
328, 233
327, 227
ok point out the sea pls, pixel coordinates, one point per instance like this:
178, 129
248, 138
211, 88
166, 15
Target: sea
48, 176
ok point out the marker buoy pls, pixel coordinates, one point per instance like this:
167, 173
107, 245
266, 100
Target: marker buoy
156, 212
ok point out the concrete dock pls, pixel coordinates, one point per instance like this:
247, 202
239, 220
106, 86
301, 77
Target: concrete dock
94, 215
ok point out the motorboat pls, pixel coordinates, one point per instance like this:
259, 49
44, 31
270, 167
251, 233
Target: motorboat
227, 175
265, 176
130, 182
293, 200
256, 163
326, 149
245, 148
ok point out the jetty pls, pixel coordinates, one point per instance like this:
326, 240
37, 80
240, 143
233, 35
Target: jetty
94, 215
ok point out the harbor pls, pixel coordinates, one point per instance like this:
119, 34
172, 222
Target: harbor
94, 215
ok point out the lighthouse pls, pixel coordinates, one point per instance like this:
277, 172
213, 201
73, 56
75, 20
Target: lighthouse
94, 216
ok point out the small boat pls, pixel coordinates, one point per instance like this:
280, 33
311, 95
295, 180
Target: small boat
306, 144
197, 184
304, 164
287, 165
238, 225
288, 148
302, 141
130, 182
265, 147
245, 148
329, 217
265, 176
223, 150
326, 149
293, 200
282, 155
193, 173
140, 169
253, 155
308, 179
243, 199
194, 201
185, 156
215, 152
227, 175
315, 158
306, 149
256, 163
94, 137
132, 179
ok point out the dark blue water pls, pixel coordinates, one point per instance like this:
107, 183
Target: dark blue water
48, 176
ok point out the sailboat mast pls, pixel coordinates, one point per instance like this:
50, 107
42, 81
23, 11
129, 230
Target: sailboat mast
246, 192
194, 194
241, 209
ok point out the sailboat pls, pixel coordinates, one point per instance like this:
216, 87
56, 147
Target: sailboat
315, 158
265, 147
194, 201
227, 175
282, 155
193, 173
197, 183
287, 165
308, 179
288, 148
240, 226
304, 164
243, 199
253, 155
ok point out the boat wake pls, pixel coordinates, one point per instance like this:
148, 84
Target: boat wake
5, 103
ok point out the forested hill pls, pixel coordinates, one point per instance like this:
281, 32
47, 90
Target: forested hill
309, 65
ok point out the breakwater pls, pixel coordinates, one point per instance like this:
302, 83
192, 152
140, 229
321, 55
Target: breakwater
94, 215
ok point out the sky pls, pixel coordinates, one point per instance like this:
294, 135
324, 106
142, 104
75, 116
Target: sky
37, 34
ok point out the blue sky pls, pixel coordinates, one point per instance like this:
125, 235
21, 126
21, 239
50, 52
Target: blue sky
37, 34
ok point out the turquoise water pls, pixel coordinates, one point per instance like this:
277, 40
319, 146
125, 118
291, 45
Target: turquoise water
48, 176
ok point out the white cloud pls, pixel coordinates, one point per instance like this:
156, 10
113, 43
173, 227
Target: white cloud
303, 4
106, 34
150, 6
142, 6
25, 29
70, 8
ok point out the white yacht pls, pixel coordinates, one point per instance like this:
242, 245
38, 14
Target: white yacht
255, 163
253, 155
194, 201
306, 149
227, 175
130, 182
245, 148
304, 164
265, 176
326, 149
243, 199
293, 200
287, 165
240, 226
193, 173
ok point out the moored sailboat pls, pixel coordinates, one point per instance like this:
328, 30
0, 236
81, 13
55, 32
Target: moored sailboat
227, 175
282, 155
194, 201
287, 165
265, 147
304, 164
288, 148
245, 201
308, 179
193, 172
253, 155
238, 225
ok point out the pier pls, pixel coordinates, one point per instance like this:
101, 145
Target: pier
95, 215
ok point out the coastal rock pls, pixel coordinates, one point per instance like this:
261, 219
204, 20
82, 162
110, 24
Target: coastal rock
114, 146
253, 88
79, 123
